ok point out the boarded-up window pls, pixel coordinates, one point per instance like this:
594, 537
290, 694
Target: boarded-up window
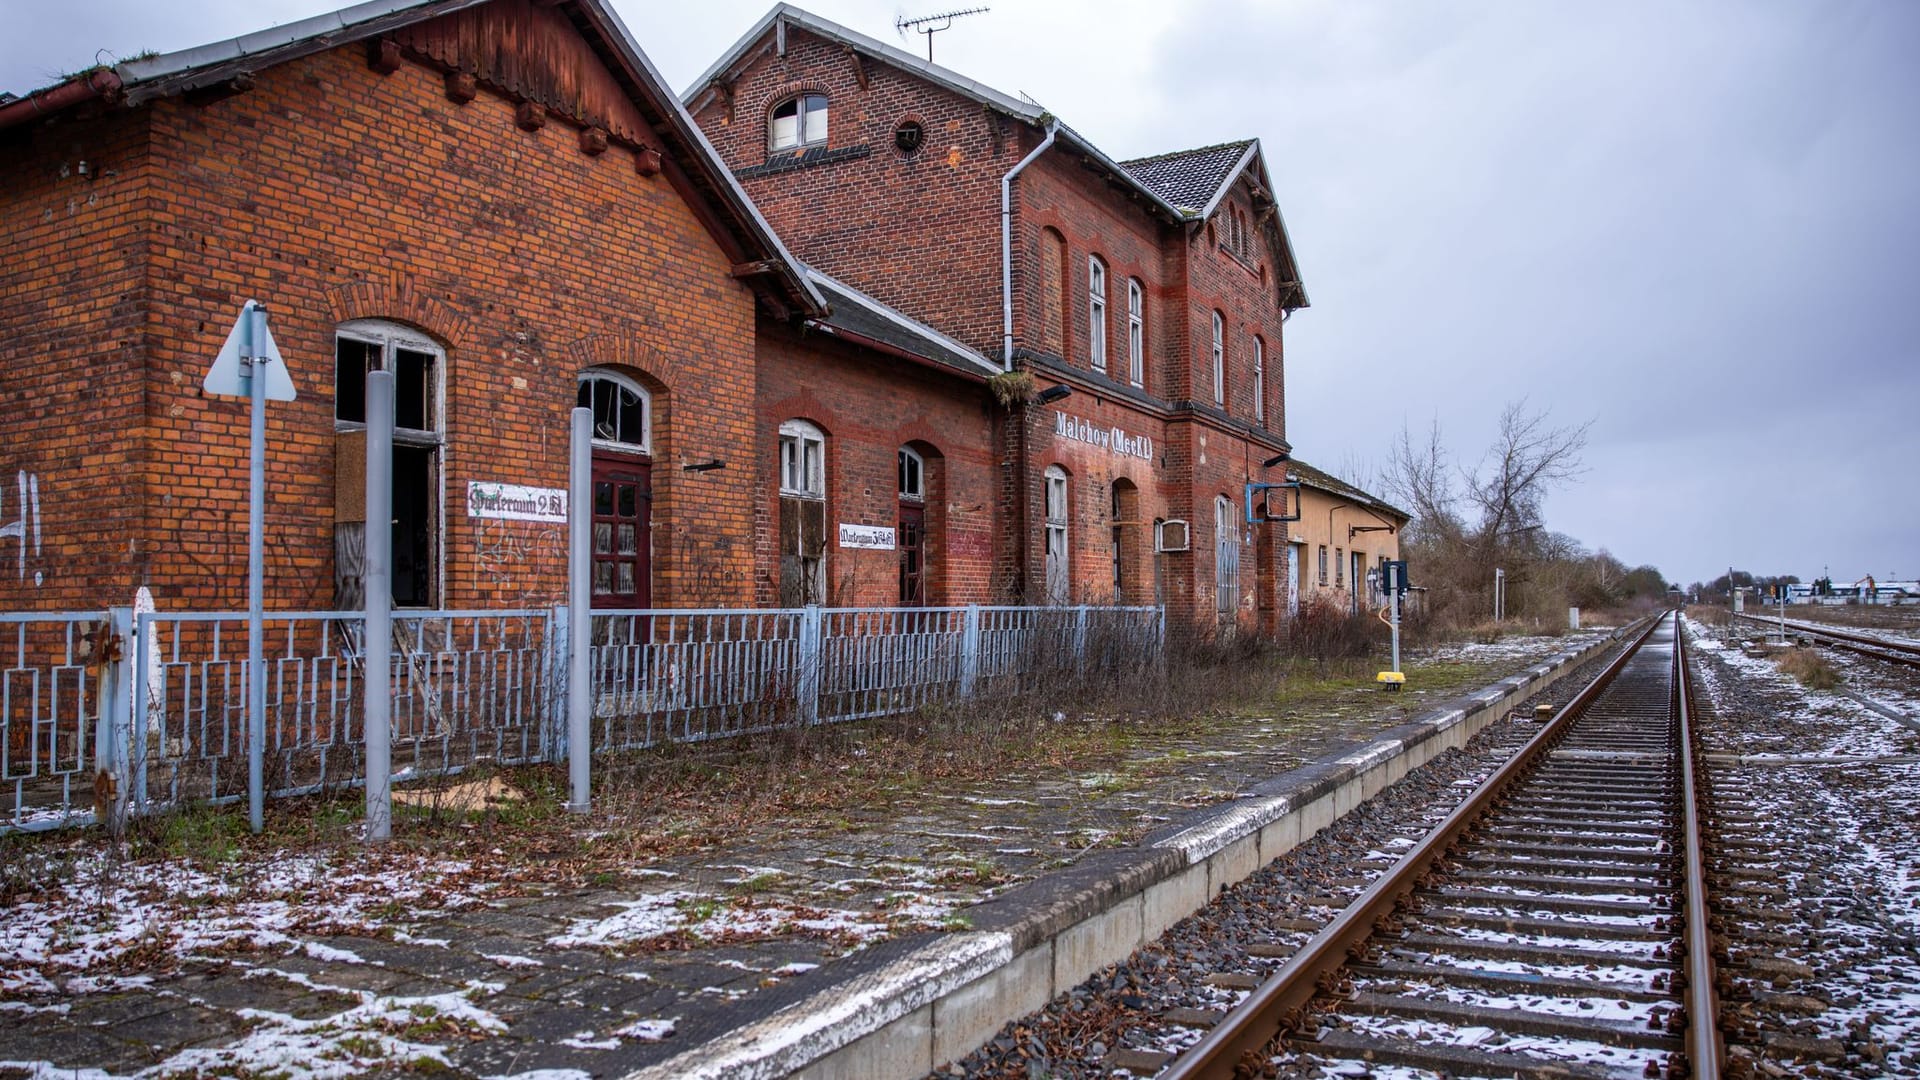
1053, 292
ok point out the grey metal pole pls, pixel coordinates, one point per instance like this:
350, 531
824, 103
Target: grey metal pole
1393, 598
580, 611
253, 354
377, 585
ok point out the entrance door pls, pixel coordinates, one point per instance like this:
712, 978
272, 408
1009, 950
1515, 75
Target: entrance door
913, 554
622, 532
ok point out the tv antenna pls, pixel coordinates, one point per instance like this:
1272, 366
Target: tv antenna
924, 24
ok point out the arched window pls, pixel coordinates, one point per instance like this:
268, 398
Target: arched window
803, 514
1226, 565
1097, 312
1219, 359
1058, 587
1125, 508
912, 532
913, 475
798, 121
622, 411
1259, 378
418, 365
1136, 332
803, 460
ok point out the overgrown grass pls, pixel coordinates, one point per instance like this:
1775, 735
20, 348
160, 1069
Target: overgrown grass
1124, 729
1808, 667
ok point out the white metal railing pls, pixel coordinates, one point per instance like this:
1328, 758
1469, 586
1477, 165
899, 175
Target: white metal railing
157, 702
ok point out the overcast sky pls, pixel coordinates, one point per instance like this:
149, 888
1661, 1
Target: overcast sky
1693, 224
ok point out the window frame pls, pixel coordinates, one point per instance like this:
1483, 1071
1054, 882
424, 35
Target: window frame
1219, 359
909, 458
390, 337
1259, 378
801, 436
1097, 313
1056, 513
622, 384
1136, 332
801, 111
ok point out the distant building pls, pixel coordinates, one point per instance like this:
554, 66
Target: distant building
1342, 537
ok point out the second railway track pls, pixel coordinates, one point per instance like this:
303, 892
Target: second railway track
1554, 925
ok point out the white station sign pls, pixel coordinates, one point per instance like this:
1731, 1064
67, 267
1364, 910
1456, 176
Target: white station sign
1113, 438
875, 537
514, 502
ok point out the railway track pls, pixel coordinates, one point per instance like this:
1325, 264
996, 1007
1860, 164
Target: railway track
1553, 925
1893, 652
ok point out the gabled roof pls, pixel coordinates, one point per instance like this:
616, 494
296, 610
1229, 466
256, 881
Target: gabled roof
137, 81
784, 15
1190, 179
863, 319
1173, 190
1332, 485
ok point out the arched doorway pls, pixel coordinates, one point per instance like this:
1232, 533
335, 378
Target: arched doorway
622, 489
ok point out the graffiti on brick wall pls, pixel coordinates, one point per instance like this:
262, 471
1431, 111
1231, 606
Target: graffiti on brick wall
710, 571
522, 560
25, 529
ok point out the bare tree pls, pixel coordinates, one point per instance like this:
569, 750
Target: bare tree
1419, 479
1527, 460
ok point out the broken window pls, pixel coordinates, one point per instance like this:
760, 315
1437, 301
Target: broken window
1058, 587
360, 347
803, 514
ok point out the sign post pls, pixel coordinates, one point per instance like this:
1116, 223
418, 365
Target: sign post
1393, 578
249, 366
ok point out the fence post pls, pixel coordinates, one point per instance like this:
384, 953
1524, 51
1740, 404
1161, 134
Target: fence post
808, 689
553, 733
970, 652
110, 735
1080, 636
143, 694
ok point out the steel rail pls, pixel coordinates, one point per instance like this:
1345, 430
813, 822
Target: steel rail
1892, 652
1282, 1001
1706, 1047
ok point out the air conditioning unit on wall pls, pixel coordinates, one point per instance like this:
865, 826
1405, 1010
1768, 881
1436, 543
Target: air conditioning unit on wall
1172, 535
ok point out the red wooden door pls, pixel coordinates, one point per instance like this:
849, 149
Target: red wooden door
622, 532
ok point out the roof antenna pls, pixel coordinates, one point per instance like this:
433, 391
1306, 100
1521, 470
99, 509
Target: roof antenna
945, 19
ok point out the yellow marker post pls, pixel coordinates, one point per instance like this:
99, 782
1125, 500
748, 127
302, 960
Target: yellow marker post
1391, 680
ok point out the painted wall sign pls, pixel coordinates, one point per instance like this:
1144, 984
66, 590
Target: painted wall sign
877, 537
1114, 438
513, 502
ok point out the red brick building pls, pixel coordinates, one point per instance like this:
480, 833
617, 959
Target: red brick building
500, 202
1145, 299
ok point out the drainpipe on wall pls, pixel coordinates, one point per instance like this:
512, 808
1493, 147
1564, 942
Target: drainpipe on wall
1006, 246
1021, 544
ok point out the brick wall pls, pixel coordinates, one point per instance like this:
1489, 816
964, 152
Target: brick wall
73, 299
919, 231
869, 406
333, 192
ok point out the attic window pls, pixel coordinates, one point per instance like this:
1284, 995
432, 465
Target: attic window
908, 136
799, 121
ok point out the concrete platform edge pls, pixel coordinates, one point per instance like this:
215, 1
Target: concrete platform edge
945, 998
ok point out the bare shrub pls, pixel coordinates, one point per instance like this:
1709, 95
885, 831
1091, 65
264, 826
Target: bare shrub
1324, 630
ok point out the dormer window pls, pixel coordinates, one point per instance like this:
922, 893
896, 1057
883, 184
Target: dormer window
798, 122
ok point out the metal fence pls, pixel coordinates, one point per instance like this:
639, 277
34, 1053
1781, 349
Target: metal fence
158, 701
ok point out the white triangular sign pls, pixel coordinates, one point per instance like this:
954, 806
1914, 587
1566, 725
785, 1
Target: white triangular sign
229, 375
